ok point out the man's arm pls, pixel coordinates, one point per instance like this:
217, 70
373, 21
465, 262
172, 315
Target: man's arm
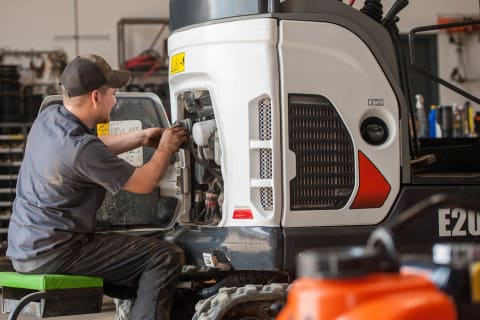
120, 143
146, 178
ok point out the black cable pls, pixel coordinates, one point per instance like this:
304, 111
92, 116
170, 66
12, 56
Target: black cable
373, 9
203, 163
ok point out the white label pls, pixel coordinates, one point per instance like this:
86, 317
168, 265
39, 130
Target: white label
444, 223
207, 259
458, 222
135, 156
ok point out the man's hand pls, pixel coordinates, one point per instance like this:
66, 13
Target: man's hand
152, 137
172, 138
146, 178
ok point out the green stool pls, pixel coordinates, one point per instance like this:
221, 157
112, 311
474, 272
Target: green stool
50, 295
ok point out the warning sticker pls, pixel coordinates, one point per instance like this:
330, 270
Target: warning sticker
135, 156
177, 63
102, 129
208, 260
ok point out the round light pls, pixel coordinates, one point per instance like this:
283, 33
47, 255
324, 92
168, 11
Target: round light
374, 131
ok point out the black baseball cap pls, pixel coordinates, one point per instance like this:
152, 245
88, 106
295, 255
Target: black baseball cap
89, 72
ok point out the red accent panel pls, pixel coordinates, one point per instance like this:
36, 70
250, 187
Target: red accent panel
242, 214
373, 189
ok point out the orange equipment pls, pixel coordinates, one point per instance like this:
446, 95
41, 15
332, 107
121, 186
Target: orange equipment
386, 296
364, 283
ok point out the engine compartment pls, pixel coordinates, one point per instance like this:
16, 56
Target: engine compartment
203, 152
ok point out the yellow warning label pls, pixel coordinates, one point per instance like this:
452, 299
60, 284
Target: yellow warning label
177, 63
103, 129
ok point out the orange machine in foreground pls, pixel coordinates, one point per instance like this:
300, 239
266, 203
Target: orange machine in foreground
383, 295
364, 283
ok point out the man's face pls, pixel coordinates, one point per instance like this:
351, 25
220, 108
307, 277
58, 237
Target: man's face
106, 102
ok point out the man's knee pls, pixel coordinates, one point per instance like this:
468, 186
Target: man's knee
169, 254
179, 255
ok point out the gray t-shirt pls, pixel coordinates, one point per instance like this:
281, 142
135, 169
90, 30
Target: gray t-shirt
63, 179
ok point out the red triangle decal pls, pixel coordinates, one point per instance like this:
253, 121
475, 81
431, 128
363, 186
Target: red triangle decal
373, 188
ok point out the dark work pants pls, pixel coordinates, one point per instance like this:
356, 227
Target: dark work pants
143, 268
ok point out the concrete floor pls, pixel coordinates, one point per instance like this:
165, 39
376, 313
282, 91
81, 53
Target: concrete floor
108, 313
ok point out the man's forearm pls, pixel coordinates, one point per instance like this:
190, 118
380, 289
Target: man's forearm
124, 142
145, 178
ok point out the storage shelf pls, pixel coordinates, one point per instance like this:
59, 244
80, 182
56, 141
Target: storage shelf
9, 163
7, 190
13, 137
19, 125
5, 204
5, 217
8, 177
11, 150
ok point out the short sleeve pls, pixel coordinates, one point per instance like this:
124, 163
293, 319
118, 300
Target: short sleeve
96, 163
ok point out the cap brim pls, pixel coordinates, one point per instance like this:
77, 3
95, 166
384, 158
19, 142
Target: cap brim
118, 79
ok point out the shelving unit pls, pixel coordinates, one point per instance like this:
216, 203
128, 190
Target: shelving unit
13, 136
143, 79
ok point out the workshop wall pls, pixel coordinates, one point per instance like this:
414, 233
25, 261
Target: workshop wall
49, 24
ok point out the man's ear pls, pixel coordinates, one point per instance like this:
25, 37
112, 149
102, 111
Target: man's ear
94, 96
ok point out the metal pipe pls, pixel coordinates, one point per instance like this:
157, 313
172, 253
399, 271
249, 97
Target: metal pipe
6, 52
398, 6
75, 19
427, 73
273, 6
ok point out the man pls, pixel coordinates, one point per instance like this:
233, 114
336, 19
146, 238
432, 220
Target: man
62, 182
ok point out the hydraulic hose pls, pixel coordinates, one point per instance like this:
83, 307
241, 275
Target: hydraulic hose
373, 9
204, 163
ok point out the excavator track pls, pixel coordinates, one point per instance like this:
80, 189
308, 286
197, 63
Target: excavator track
251, 302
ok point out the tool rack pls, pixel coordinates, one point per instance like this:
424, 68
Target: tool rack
12, 145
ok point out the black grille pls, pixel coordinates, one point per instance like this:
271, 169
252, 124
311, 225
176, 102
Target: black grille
266, 198
265, 133
266, 164
325, 168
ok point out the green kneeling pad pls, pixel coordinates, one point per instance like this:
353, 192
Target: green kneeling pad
43, 282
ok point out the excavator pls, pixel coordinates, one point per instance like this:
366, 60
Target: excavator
300, 118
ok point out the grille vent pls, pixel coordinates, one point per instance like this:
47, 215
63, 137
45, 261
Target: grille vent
265, 119
266, 198
325, 168
265, 163
265, 133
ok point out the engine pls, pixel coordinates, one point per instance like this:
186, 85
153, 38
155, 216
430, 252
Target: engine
205, 157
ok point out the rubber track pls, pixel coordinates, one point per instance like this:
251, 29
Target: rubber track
215, 307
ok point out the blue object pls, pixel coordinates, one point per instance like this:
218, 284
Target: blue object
432, 123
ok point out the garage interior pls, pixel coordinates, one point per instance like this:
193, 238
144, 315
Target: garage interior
420, 157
